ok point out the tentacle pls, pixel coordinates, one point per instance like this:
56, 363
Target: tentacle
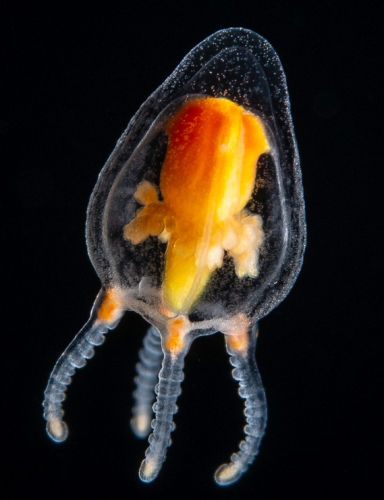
75, 356
147, 372
252, 390
167, 390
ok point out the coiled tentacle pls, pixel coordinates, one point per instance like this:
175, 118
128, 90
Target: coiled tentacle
167, 390
147, 372
252, 390
75, 356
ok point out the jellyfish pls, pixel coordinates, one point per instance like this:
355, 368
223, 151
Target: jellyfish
196, 223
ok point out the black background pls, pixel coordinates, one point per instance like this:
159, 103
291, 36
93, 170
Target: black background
72, 75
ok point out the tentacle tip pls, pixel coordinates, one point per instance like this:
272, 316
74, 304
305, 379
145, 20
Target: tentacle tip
227, 474
149, 470
57, 430
141, 425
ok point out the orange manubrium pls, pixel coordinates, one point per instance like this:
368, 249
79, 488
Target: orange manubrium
206, 180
